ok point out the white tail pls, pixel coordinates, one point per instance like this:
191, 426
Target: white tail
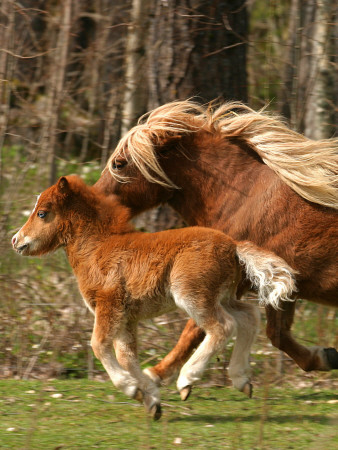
269, 274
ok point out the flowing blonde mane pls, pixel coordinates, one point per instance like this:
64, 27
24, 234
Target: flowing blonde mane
309, 167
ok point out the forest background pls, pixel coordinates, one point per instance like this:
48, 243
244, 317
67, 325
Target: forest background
74, 76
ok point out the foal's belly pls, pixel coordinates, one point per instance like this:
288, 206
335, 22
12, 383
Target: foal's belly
149, 307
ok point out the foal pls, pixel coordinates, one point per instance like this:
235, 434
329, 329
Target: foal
126, 276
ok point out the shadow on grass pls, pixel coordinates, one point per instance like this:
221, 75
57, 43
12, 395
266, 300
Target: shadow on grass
281, 419
323, 396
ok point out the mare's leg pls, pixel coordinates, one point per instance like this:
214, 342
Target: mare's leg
247, 318
219, 326
125, 344
278, 331
166, 369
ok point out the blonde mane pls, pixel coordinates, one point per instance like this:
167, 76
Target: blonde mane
309, 167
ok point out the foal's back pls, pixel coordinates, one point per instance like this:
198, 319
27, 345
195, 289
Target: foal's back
148, 265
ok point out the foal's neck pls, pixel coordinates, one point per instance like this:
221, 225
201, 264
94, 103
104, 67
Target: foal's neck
103, 219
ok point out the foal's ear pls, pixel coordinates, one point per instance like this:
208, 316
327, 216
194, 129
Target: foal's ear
63, 185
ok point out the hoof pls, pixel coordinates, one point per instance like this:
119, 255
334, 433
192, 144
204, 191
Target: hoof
185, 392
247, 390
155, 411
332, 357
138, 396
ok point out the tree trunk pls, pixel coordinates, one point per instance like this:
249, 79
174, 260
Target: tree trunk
55, 92
135, 92
197, 48
318, 117
6, 70
311, 75
288, 92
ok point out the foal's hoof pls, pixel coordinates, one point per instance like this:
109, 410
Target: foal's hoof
155, 411
185, 392
138, 395
247, 389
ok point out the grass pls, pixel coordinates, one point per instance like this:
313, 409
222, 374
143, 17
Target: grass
90, 414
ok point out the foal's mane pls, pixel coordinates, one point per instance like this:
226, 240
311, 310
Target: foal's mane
88, 203
309, 167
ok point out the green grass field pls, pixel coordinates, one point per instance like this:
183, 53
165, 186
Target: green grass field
82, 414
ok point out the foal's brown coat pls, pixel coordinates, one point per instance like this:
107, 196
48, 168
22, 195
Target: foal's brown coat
126, 276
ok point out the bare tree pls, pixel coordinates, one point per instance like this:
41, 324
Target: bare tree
57, 69
6, 68
322, 75
135, 91
198, 48
310, 78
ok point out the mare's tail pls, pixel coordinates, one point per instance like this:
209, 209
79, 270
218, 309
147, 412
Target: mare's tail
269, 274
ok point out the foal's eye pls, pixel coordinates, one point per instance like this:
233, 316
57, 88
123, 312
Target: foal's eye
42, 214
119, 164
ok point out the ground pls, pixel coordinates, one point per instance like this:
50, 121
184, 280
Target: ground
83, 414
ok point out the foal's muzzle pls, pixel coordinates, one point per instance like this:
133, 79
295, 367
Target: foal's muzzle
18, 248
21, 248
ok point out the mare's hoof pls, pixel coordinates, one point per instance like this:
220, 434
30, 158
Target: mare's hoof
247, 390
138, 396
332, 357
185, 392
155, 411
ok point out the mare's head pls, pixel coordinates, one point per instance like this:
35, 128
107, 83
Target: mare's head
50, 223
147, 165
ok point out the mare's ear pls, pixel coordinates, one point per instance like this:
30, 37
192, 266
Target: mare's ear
165, 141
63, 186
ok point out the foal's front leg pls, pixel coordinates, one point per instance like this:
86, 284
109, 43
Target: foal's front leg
125, 344
102, 345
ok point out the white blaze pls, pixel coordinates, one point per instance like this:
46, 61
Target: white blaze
36, 203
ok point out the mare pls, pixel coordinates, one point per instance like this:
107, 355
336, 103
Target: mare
126, 276
246, 173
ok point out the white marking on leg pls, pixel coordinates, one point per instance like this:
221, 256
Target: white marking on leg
196, 364
127, 357
120, 377
247, 321
219, 327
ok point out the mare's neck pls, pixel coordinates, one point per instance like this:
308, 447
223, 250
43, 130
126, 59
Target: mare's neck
224, 185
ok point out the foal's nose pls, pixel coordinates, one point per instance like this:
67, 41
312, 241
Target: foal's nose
14, 240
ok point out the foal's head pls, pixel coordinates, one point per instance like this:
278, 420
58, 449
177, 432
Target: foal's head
50, 223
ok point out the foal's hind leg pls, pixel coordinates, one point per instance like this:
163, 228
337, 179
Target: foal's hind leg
219, 326
247, 318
